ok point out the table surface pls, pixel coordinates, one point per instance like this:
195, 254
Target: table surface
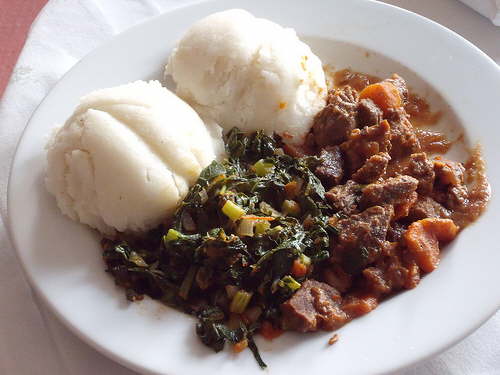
15, 19
33, 341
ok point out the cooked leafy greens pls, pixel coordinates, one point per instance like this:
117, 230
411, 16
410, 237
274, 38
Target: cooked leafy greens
228, 254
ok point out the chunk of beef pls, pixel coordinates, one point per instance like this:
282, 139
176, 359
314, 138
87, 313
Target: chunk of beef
373, 169
335, 276
345, 198
395, 269
395, 231
449, 172
294, 150
359, 303
427, 207
394, 190
362, 236
334, 123
423, 170
404, 140
450, 189
366, 142
331, 169
368, 113
457, 198
402, 210
376, 280
390, 274
314, 306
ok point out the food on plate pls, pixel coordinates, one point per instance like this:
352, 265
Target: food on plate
325, 203
249, 73
127, 156
283, 237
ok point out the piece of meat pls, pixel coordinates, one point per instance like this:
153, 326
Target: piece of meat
395, 231
423, 170
364, 143
393, 271
448, 172
404, 140
373, 169
423, 237
294, 150
334, 123
450, 189
331, 168
358, 304
413, 277
393, 190
402, 210
368, 113
362, 236
376, 280
390, 275
426, 207
457, 198
345, 198
314, 306
335, 276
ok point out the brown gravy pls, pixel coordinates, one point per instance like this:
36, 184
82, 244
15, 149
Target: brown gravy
479, 190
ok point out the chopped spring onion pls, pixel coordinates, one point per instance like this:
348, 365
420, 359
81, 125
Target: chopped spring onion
245, 227
267, 209
290, 207
289, 282
305, 260
275, 230
222, 190
261, 226
137, 259
240, 301
263, 167
232, 210
172, 235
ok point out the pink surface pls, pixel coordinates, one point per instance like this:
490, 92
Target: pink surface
16, 17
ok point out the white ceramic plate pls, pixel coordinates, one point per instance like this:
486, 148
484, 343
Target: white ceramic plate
62, 259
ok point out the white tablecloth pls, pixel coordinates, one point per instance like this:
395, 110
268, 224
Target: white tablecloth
32, 341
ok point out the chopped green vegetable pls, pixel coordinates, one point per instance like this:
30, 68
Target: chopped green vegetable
267, 209
232, 210
172, 235
214, 333
305, 260
289, 282
240, 301
137, 259
261, 226
228, 248
263, 167
245, 227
